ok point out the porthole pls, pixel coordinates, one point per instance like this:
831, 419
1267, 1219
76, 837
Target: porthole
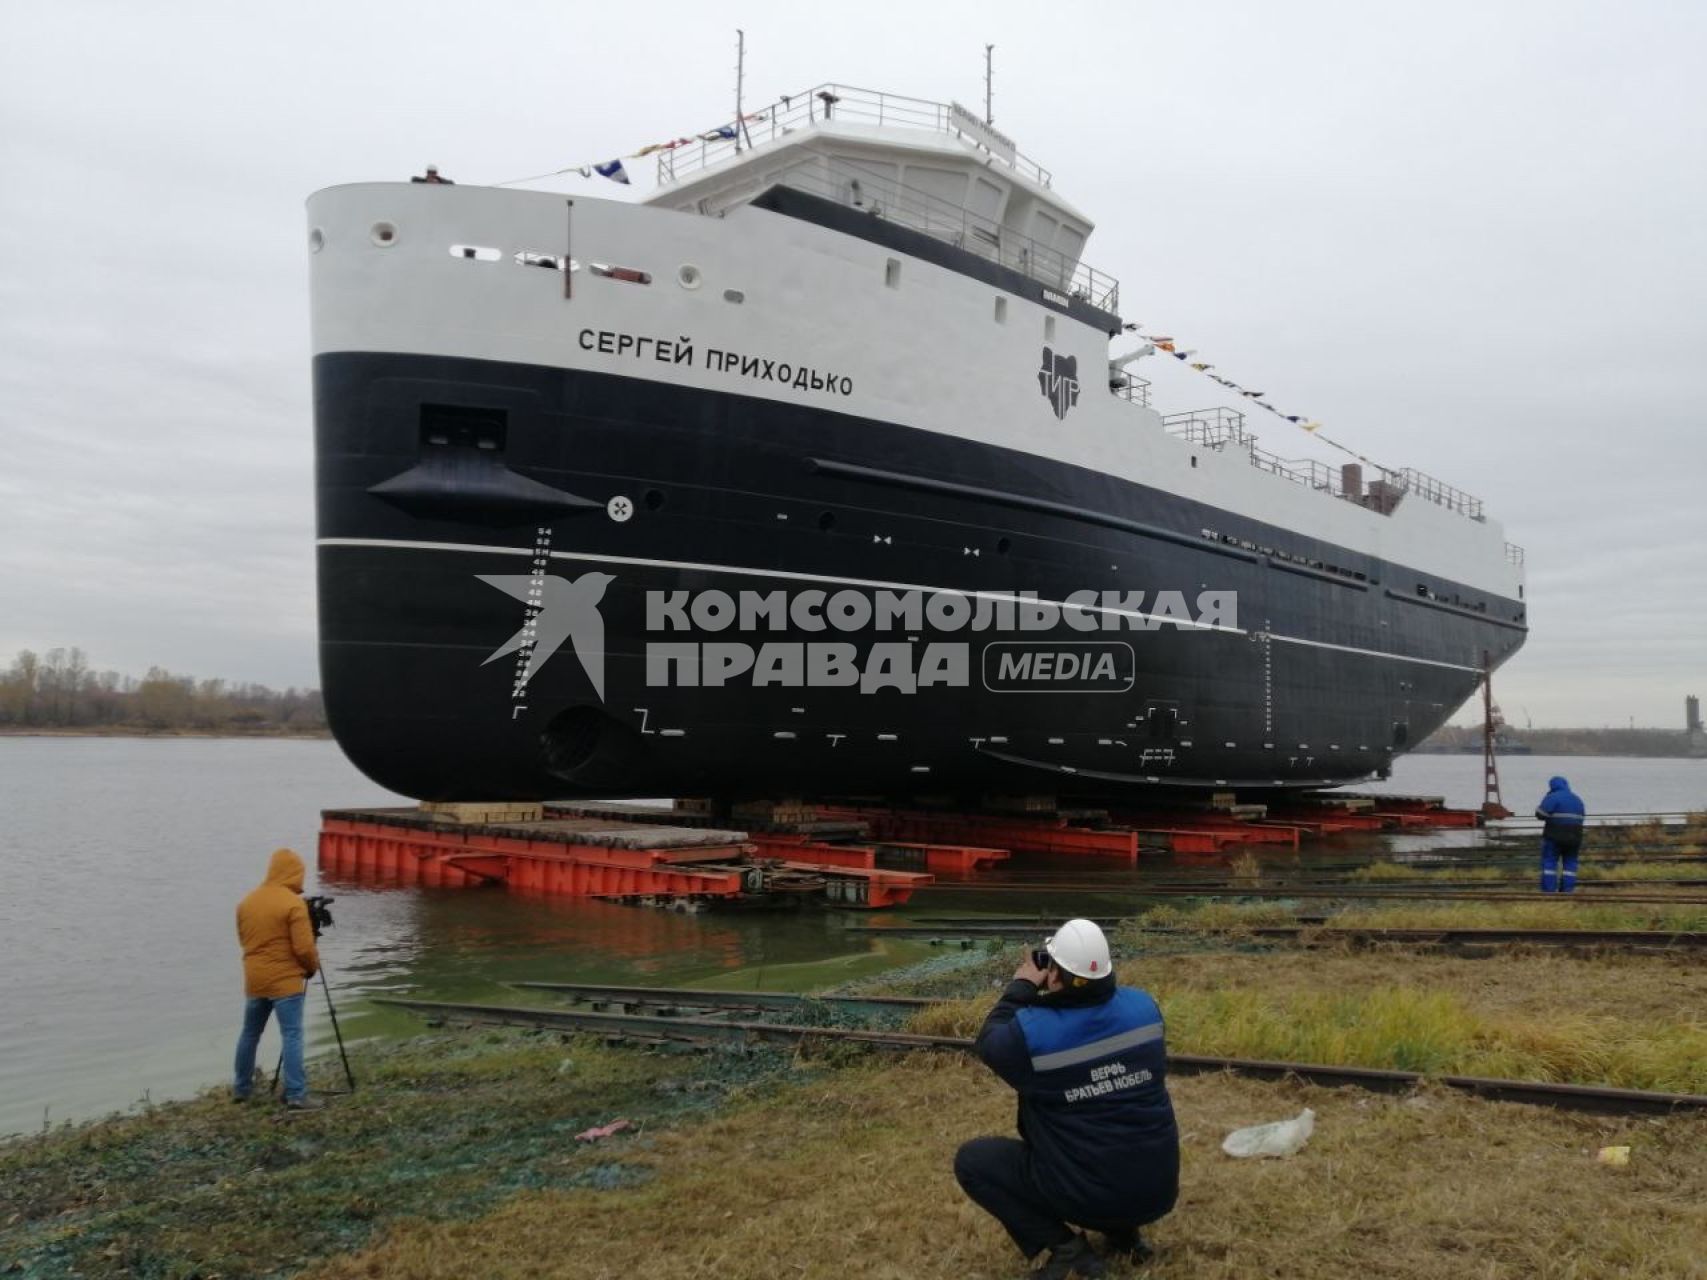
826, 521
384, 234
654, 499
1003, 546
688, 276
734, 295
316, 240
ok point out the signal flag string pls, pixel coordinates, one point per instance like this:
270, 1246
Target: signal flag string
1314, 427
613, 168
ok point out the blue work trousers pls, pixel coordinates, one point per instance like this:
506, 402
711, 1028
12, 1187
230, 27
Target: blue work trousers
1558, 867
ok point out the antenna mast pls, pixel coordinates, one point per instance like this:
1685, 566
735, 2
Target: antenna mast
740, 77
989, 115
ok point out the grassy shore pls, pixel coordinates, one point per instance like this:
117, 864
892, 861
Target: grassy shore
458, 1158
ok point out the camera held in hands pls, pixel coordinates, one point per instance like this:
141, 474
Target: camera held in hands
319, 912
1039, 956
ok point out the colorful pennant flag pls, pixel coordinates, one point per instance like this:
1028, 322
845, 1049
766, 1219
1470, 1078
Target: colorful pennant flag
722, 133
1256, 397
613, 170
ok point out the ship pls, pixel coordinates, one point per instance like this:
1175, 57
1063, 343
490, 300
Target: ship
823, 470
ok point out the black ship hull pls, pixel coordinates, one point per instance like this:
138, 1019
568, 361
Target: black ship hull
462, 502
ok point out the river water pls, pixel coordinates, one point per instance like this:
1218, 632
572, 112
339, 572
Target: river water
124, 858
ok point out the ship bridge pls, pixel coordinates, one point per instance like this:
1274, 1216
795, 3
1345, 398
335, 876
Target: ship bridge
933, 167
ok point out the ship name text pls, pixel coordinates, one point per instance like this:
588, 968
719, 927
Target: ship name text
681, 350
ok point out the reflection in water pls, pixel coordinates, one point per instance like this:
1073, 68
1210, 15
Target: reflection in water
127, 856
123, 976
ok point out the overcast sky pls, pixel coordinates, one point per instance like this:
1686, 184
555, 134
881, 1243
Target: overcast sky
1469, 237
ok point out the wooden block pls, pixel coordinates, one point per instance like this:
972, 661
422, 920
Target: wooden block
470, 812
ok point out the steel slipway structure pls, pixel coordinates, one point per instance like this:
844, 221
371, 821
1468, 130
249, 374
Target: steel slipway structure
614, 498
574, 856
855, 856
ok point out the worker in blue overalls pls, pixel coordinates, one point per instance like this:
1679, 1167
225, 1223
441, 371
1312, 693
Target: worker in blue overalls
1098, 1146
1561, 813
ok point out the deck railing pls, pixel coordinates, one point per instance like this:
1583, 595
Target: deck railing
846, 182
1437, 491
1131, 388
1224, 430
826, 102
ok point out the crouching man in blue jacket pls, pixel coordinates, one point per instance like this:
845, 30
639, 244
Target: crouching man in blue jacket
1098, 1146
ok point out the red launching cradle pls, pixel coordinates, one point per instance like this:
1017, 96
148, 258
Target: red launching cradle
576, 857
587, 857
1020, 834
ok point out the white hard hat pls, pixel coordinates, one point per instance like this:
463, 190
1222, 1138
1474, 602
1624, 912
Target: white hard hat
1079, 947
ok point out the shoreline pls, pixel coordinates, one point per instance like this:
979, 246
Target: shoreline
133, 732
473, 1152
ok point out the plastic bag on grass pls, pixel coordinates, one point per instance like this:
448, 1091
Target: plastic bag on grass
1279, 1138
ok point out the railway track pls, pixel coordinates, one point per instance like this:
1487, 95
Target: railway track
1618, 939
660, 1028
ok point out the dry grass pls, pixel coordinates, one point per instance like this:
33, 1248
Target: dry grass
1246, 870
1627, 1021
1399, 872
1691, 833
1589, 869
1210, 917
850, 1176
1519, 914
1236, 918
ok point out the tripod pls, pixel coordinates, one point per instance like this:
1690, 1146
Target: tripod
337, 1033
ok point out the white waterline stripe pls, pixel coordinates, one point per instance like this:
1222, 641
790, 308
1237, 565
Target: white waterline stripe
1373, 653
865, 582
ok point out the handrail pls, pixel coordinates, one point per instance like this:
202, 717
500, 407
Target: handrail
831, 102
1437, 491
846, 182
1130, 387
1223, 429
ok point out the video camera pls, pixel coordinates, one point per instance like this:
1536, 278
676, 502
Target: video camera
319, 912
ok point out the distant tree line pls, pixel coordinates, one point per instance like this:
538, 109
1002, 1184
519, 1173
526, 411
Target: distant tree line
59, 690
1564, 742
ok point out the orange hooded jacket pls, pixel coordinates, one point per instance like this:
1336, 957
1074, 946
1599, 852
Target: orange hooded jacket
272, 926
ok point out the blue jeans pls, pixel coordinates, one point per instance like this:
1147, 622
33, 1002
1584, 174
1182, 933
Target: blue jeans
255, 1012
1558, 868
